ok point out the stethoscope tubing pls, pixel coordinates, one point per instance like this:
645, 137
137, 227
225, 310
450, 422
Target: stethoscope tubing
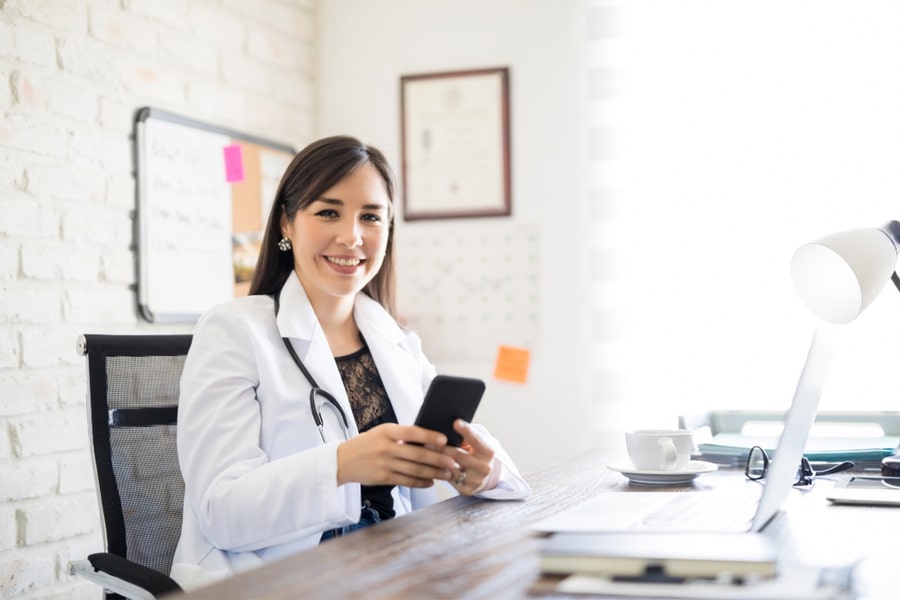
315, 389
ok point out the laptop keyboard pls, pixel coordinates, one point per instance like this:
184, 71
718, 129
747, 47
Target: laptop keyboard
703, 512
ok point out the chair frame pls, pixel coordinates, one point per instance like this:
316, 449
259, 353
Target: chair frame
112, 569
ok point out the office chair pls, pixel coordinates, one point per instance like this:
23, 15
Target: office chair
132, 405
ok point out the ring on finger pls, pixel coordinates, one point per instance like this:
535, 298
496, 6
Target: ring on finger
461, 479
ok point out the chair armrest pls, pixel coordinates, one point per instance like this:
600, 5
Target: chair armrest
123, 576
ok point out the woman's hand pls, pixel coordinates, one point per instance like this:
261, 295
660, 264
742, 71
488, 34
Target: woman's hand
391, 454
476, 470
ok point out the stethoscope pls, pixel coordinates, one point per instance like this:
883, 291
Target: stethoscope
315, 389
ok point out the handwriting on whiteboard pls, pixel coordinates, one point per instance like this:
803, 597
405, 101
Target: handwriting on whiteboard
187, 234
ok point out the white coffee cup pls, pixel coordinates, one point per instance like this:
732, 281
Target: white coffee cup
659, 449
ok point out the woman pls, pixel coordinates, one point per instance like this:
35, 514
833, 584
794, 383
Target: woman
274, 461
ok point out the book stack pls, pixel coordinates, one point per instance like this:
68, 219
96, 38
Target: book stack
711, 566
660, 556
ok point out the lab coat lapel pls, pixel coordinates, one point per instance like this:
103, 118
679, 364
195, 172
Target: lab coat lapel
397, 367
297, 321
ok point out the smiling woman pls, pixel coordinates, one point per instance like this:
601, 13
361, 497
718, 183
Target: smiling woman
272, 461
339, 240
314, 188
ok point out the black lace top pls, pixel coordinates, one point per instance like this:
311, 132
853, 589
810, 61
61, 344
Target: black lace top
371, 407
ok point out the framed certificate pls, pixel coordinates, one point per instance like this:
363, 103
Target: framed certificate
455, 144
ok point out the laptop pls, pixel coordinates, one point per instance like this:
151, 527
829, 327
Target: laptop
748, 507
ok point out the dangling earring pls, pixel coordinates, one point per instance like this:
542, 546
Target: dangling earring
284, 244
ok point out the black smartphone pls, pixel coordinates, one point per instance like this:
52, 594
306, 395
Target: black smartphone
450, 397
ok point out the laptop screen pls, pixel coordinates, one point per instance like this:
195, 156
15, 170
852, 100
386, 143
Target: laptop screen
673, 510
797, 425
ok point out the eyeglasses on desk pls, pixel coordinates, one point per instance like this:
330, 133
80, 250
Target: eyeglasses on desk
758, 466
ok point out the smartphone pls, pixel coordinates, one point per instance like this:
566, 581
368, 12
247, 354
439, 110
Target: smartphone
448, 398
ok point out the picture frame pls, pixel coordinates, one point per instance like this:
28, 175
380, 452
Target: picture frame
455, 144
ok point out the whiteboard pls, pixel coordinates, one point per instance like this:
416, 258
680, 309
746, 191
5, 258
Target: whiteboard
203, 196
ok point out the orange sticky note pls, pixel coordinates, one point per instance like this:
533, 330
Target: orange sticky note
512, 364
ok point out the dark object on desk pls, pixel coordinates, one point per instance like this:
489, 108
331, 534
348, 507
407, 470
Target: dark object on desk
449, 398
637, 555
890, 466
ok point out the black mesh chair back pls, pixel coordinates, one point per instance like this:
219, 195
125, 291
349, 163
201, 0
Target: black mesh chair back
133, 383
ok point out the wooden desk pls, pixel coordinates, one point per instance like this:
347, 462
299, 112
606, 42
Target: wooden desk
468, 548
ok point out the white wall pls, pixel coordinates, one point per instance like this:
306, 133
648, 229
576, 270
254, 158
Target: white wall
719, 137
746, 130
365, 48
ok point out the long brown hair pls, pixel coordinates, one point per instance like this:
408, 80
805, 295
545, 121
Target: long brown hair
315, 169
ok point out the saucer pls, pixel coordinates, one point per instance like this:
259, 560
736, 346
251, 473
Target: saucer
686, 475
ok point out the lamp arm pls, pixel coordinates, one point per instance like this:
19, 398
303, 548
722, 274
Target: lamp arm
896, 279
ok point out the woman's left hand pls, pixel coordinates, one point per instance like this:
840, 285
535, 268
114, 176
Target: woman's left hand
475, 458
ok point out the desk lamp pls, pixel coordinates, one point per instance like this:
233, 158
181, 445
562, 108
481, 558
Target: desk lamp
840, 274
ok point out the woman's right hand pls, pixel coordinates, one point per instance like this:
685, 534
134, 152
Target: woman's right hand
392, 454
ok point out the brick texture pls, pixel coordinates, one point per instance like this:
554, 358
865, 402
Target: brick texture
73, 74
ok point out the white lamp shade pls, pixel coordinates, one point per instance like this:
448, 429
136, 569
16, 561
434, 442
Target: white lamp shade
839, 275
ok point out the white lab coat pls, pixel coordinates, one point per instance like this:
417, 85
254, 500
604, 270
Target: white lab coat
259, 482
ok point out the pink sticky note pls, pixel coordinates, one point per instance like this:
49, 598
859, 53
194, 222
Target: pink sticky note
234, 164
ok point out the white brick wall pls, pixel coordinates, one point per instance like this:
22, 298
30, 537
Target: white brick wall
72, 74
